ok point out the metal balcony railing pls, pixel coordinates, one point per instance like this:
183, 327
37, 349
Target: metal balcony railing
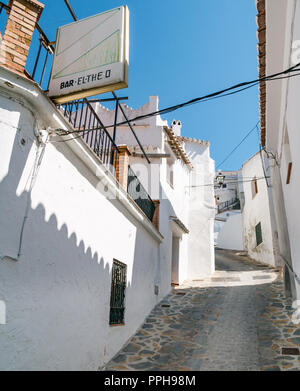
230, 204
136, 190
85, 121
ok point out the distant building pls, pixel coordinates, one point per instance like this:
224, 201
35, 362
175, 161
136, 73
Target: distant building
226, 188
228, 220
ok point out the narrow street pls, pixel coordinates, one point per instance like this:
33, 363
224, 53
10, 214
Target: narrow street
237, 320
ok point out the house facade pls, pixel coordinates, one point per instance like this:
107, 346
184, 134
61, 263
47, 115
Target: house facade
177, 177
278, 49
229, 199
259, 236
226, 188
65, 225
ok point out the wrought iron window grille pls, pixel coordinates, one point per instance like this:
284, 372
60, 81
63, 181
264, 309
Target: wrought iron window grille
118, 290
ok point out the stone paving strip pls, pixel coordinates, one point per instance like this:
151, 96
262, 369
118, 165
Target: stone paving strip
229, 278
276, 330
217, 325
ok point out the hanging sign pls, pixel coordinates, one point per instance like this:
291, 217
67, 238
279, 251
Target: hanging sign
91, 56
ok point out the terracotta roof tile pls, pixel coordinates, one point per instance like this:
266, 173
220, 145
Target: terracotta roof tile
261, 34
176, 147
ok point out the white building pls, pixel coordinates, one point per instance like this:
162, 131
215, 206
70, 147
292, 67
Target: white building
226, 188
260, 238
179, 168
278, 47
59, 240
228, 220
71, 230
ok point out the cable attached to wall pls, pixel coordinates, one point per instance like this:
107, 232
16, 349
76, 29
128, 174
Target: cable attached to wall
42, 140
263, 166
291, 269
35, 169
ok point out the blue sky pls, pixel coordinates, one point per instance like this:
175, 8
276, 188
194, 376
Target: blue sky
184, 49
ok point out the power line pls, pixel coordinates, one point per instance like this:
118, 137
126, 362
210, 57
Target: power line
215, 95
239, 144
247, 85
227, 183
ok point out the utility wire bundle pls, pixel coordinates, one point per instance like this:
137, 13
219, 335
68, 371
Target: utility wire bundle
288, 73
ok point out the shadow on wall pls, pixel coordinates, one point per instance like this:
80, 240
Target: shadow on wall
58, 294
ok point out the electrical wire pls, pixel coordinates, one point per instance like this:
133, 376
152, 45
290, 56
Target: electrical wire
215, 94
270, 153
263, 165
228, 183
86, 131
212, 96
239, 144
173, 108
36, 166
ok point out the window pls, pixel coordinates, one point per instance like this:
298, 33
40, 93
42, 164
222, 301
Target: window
170, 172
117, 296
254, 187
258, 234
289, 173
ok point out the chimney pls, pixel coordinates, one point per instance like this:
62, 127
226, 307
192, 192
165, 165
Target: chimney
176, 127
122, 164
22, 18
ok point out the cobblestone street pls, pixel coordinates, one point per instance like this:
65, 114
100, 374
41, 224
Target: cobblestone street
237, 320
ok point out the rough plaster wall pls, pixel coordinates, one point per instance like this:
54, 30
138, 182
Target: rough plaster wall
283, 110
201, 212
230, 235
173, 202
58, 293
257, 209
225, 195
291, 190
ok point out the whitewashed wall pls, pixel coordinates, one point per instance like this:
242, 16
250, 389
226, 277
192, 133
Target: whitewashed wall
57, 294
174, 202
193, 206
282, 114
201, 211
225, 195
229, 233
257, 209
292, 117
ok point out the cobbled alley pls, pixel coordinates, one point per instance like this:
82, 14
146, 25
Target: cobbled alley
239, 319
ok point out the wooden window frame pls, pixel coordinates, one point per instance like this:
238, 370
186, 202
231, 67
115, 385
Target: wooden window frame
170, 172
289, 173
254, 187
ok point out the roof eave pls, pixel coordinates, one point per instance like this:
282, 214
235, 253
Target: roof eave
261, 33
177, 148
